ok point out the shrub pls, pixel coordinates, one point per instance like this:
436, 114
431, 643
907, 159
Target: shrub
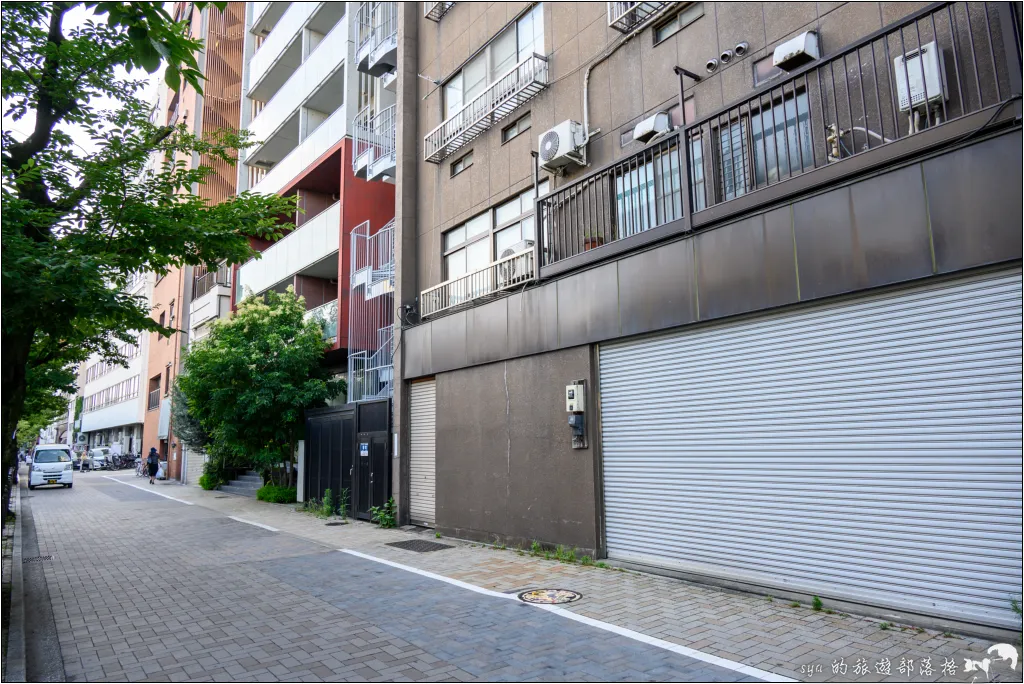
276, 494
384, 515
208, 481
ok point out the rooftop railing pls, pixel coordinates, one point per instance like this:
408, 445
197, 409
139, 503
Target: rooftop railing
516, 87
512, 271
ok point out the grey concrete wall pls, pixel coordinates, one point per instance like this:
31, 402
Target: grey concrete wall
505, 466
954, 211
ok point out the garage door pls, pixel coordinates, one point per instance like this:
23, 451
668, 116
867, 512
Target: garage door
422, 411
868, 449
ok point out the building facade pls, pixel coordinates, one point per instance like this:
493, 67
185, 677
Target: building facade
301, 93
730, 291
183, 291
113, 400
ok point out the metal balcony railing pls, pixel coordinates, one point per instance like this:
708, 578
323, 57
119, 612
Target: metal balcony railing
205, 281
503, 274
934, 67
912, 78
435, 10
628, 197
627, 16
327, 316
382, 141
513, 89
361, 133
154, 400
376, 25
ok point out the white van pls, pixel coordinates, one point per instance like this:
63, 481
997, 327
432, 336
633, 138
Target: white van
51, 464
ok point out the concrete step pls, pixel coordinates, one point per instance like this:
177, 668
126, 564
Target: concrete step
246, 484
249, 478
253, 473
239, 491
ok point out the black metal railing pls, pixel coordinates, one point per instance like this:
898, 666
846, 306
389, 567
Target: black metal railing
936, 66
154, 400
629, 197
205, 280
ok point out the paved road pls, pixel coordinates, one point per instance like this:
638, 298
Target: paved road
145, 588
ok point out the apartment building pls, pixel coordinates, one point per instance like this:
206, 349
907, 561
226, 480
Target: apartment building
113, 403
729, 291
182, 291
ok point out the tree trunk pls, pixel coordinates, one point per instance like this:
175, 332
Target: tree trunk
14, 370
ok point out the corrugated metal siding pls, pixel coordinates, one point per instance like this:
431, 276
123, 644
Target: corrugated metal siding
868, 449
422, 412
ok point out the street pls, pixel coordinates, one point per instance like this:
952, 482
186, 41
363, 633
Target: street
128, 581
147, 588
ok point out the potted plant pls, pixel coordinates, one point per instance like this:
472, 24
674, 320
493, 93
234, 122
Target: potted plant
592, 240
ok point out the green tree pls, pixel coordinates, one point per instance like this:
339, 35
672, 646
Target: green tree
251, 379
187, 427
78, 222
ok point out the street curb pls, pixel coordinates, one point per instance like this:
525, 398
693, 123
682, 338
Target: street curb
16, 629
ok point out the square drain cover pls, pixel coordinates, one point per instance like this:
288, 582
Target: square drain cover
37, 559
419, 545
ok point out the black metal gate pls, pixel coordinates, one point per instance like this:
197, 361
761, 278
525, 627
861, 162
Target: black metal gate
349, 448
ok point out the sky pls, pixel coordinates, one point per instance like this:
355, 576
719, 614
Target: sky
22, 128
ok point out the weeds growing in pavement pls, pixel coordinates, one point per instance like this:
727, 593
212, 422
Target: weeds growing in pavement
884, 626
794, 604
816, 604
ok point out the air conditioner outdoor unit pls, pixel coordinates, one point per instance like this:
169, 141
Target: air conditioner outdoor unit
512, 271
561, 145
926, 72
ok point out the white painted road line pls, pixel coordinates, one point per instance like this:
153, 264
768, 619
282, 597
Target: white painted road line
250, 522
149, 489
608, 627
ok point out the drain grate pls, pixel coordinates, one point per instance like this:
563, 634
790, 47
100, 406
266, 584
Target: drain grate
36, 559
334, 524
419, 545
550, 596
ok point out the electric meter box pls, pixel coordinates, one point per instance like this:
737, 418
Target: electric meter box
575, 398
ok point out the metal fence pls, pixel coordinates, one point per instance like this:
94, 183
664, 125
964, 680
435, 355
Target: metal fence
937, 66
435, 10
382, 138
205, 280
371, 313
626, 16
361, 133
629, 197
503, 274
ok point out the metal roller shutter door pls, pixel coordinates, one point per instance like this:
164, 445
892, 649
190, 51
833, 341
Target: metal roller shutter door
422, 412
868, 449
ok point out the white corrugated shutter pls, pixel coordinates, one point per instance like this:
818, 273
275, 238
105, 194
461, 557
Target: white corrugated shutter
422, 412
868, 449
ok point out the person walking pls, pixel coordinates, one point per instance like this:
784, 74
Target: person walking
152, 464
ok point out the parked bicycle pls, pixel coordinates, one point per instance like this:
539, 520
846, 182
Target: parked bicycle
140, 468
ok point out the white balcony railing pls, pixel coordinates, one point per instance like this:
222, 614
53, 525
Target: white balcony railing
382, 157
371, 313
627, 16
361, 132
435, 10
313, 241
516, 87
321, 63
503, 274
323, 138
288, 27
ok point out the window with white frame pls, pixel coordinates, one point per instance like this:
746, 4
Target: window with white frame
514, 44
481, 240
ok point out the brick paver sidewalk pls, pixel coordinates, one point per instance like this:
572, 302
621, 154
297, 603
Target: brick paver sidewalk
754, 630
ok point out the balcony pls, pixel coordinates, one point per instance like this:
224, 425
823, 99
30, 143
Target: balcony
435, 10
277, 125
323, 138
837, 117
211, 297
327, 316
154, 400
310, 249
628, 16
503, 274
377, 40
382, 161
516, 87
281, 51
265, 16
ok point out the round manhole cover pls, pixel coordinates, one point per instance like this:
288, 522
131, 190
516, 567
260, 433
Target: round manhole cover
550, 596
